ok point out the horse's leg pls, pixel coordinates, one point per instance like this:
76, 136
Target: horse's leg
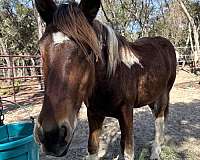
126, 126
160, 110
95, 126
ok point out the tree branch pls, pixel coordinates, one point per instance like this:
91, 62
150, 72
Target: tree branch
104, 12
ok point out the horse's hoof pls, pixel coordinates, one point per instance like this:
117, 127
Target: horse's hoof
155, 152
128, 157
116, 158
155, 156
92, 157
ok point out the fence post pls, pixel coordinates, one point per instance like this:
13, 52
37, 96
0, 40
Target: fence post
13, 77
1, 113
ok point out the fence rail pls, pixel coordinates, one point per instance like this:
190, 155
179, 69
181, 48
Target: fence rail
20, 67
35, 81
22, 77
18, 75
185, 56
20, 56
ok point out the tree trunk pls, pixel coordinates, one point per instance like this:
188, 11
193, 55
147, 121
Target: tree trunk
41, 25
7, 59
195, 32
190, 37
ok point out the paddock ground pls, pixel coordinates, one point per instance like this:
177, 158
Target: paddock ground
182, 133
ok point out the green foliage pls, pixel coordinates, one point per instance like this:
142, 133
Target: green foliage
139, 18
169, 153
133, 19
194, 8
172, 24
144, 154
17, 85
18, 27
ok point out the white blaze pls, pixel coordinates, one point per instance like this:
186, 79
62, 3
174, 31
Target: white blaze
59, 38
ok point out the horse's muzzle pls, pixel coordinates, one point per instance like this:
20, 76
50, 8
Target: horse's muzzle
55, 142
56, 151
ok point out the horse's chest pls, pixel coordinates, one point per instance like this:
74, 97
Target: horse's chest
106, 101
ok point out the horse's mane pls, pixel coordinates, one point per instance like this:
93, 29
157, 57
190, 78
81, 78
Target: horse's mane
70, 20
117, 47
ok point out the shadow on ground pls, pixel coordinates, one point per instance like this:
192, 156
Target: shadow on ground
24, 103
183, 124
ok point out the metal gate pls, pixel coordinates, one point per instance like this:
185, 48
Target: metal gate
22, 79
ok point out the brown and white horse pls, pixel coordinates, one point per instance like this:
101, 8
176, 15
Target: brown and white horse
86, 61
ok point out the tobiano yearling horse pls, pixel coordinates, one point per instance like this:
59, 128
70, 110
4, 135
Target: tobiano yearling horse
86, 61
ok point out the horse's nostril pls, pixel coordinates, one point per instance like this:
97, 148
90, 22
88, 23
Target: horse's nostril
63, 131
40, 134
63, 135
55, 141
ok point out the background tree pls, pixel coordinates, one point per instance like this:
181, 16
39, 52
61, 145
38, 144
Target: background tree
193, 22
179, 21
176, 20
18, 32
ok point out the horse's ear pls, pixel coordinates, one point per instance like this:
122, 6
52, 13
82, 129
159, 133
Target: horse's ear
90, 8
46, 9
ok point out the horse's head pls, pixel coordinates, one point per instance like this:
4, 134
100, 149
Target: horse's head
69, 49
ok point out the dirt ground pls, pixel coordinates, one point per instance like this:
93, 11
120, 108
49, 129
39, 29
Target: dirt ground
182, 132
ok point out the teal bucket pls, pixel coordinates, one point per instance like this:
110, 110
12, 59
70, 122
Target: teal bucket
17, 142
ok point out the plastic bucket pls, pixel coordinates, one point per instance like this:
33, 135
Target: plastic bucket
17, 142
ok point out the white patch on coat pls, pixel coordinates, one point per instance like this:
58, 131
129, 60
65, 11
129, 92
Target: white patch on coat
129, 58
59, 38
113, 54
128, 157
92, 157
155, 151
37, 126
159, 138
159, 130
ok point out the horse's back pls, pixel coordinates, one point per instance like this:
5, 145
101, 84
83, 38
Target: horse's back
157, 51
157, 44
158, 72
